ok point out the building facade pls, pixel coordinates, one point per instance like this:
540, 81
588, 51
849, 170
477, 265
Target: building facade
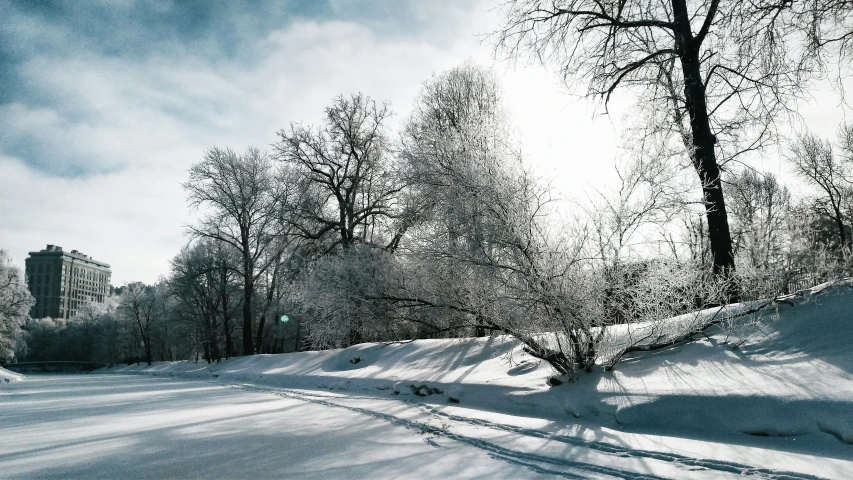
62, 282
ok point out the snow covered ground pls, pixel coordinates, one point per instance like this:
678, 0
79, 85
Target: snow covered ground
105, 426
778, 406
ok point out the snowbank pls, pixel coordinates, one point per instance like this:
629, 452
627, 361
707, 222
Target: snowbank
480, 370
792, 381
8, 377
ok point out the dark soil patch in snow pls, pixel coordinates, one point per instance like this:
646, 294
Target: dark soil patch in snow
554, 381
425, 390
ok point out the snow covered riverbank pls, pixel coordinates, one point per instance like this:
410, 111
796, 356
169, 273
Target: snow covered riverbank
115, 426
790, 388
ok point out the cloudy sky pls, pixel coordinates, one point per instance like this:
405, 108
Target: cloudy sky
104, 105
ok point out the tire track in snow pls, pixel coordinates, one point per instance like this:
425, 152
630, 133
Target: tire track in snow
717, 465
530, 460
689, 463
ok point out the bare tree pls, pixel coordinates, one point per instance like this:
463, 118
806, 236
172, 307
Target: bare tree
194, 282
722, 71
272, 282
229, 293
349, 183
827, 24
488, 246
244, 203
139, 306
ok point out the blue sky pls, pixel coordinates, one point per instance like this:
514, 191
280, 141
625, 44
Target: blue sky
105, 104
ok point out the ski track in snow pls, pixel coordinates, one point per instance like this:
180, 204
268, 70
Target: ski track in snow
730, 467
539, 463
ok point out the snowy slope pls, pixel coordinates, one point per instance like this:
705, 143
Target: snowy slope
789, 387
8, 377
793, 380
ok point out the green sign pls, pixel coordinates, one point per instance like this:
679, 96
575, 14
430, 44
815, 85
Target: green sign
284, 318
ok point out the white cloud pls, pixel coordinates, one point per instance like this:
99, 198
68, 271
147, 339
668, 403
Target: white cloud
138, 123
143, 122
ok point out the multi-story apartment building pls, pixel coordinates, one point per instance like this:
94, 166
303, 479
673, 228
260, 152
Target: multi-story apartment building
61, 282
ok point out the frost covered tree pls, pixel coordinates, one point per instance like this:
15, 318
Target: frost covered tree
759, 206
347, 197
94, 334
243, 204
15, 303
831, 173
347, 296
109, 331
715, 75
483, 229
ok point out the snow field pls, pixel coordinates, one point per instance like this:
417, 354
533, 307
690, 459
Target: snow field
113, 426
787, 392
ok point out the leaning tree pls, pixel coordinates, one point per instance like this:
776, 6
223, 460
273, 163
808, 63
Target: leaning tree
715, 75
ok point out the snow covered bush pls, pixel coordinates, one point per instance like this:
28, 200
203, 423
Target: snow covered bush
647, 299
344, 297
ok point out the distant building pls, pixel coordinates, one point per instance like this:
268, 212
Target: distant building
61, 282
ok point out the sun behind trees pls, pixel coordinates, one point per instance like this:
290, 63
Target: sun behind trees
711, 78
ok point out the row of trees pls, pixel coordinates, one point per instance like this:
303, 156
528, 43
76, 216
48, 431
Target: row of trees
132, 325
347, 233
442, 230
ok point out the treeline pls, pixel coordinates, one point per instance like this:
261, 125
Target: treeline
347, 232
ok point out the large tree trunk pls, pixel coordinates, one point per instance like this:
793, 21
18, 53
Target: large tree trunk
704, 156
839, 223
226, 316
208, 339
226, 325
248, 287
248, 291
206, 347
267, 303
297, 344
149, 359
259, 339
